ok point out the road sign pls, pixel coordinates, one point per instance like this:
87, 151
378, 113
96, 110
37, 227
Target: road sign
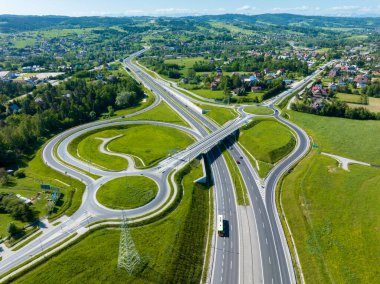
316, 146
45, 186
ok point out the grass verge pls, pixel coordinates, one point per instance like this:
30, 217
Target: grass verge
240, 188
35, 236
162, 112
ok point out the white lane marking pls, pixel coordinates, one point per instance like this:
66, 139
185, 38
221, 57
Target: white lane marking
266, 240
263, 225
270, 261
231, 264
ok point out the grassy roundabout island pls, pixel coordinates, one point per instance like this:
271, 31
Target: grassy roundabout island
259, 110
148, 144
127, 192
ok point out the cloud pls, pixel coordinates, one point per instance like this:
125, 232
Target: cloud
294, 9
245, 8
340, 8
172, 10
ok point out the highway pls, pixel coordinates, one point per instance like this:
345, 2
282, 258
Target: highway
275, 260
254, 250
225, 268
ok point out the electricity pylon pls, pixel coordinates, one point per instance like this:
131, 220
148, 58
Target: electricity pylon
129, 258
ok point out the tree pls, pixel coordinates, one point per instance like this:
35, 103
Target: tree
92, 115
111, 111
125, 99
13, 229
4, 177
191, 73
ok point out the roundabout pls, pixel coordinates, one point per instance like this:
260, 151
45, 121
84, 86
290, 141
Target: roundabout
127, 192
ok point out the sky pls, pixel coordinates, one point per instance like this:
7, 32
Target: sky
193, 7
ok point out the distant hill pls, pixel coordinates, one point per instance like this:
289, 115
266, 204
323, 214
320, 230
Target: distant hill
296, 20
14, 23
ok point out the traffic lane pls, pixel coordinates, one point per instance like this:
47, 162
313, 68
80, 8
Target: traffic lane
302, 147
227, 261
270, 255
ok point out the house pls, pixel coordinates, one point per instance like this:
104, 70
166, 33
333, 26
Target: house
214, 86
256, 88
288, 81
239, 91
361, 85
219, 71
318, 91
332, 86
13, 107
249, 79
362, 79
317, 104
334, 72
341, 83
185, 80
27, 201
39, 101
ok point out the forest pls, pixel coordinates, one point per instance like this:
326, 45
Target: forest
51, 109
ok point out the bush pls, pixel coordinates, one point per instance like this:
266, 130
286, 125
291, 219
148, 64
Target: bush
20, 173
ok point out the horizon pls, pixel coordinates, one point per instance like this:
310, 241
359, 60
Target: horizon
192, 15
118, 8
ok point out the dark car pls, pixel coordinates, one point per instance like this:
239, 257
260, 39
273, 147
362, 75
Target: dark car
238, 162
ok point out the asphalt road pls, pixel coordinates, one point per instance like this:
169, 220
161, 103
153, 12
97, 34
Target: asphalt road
273, 257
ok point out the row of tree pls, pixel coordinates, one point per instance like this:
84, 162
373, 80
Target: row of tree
336, 109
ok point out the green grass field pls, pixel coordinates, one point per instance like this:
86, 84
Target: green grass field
134, 142
348, 98
127, 192
36, 174
151, 143
355, 139
209, 94
220, 115
185, 62
86, 147
240, 188
334, 218
268, 140
162, 112
5, 220
173, 248
258, 110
